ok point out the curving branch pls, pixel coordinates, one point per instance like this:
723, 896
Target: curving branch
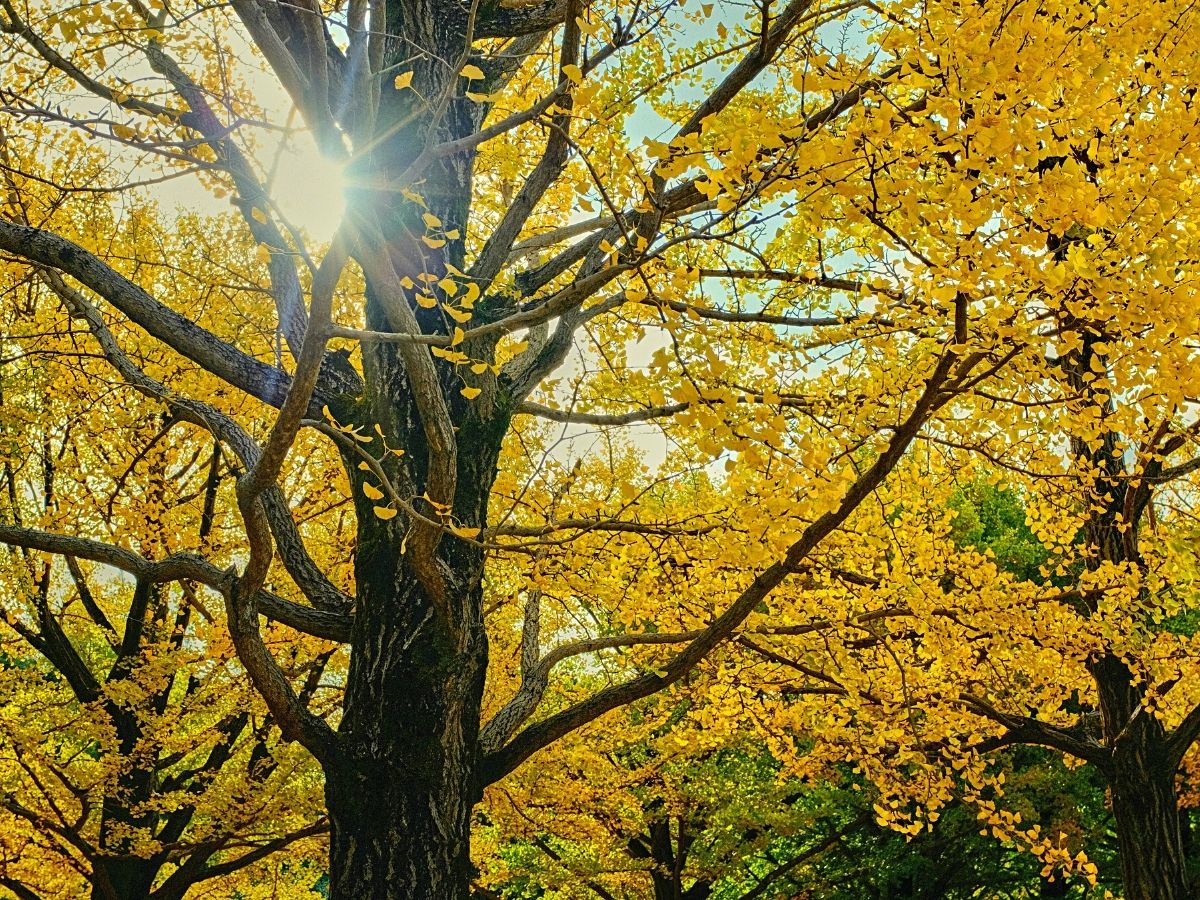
299, 564
1183, 737
18, 26
1026, 730
665, 528
537, 677
554, 159
294, 718
253, 203
299, 50
766, 882
186, 877
572, 417
749, 67
436, 421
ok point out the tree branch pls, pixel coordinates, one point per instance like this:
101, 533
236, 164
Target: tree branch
1026, 730
320, 623
296, 559
44, 248
498, 764
514, 21
1183, 737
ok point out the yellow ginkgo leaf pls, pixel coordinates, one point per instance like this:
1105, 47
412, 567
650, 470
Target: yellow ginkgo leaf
430, 220
432, 243
372, 492
385, 512
258, 215
471, 392
403, 80
464, 532
471, 72
458, 336
451, 356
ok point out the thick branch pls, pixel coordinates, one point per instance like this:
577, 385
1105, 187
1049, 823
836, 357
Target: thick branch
501, 21
1182, 739
749, 66
296, 559
44, 248
300, 62
497, 765
1025, 730
534, 681
293, 716
331, 626
554, 159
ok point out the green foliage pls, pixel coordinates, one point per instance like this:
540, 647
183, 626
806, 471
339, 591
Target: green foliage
989, 517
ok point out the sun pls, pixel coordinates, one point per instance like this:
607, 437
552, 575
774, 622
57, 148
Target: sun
308, 189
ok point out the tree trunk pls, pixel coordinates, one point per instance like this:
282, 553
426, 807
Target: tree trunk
397, 840
400, 799
400, 804
122, 879
1142, 785
1153, 863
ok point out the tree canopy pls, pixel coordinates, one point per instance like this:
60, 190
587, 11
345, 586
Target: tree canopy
698, 411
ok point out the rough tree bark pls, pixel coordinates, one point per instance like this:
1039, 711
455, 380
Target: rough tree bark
1144, 795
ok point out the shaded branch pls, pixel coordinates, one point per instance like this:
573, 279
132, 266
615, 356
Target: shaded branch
1183, 737
296, 559
510, 21
1026, 730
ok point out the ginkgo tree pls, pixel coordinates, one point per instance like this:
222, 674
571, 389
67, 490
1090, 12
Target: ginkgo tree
681, 799
537, 193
